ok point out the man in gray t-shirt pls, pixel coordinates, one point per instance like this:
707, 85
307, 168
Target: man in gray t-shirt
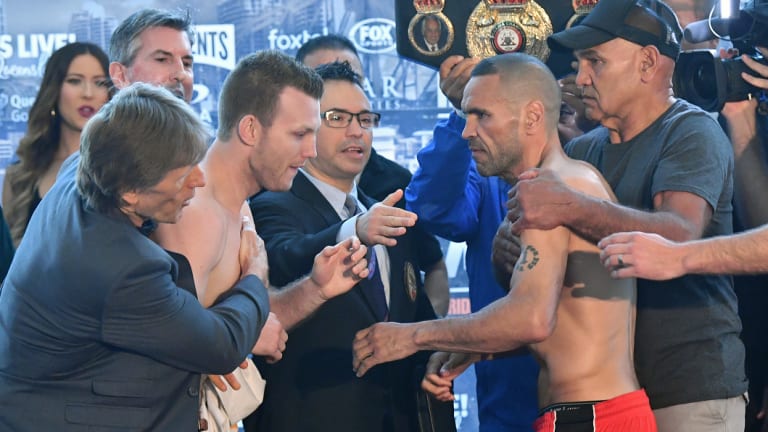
683, 151
671, 168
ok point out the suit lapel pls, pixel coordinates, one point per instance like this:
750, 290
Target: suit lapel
306, 191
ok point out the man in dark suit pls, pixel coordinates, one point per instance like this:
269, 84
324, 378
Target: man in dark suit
382, 176
313, 388
95, 333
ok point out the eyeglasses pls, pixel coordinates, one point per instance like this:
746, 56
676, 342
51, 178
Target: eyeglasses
341, 119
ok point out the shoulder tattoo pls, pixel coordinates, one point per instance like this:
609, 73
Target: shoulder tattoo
528, 259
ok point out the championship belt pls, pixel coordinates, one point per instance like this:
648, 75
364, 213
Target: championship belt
492, 27
429, 17
506, 26
580, 8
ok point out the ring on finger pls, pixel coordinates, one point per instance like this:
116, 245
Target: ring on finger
620, 261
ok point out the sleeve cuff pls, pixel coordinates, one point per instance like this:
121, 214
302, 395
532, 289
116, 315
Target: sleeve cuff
348, 229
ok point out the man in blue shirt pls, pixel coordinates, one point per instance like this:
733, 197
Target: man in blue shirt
455, 202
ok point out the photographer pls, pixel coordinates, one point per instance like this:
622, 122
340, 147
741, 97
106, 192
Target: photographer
748, 130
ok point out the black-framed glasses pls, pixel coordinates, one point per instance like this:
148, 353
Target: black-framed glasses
337, 118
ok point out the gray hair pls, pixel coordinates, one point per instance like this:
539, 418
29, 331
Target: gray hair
430, 18
124, 43
134, 141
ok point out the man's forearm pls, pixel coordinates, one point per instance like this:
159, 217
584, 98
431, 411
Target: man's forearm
744, 253
296, 302
594, 219
491, 330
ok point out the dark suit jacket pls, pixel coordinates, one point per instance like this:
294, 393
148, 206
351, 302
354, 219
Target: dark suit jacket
313, 388
422, 42
96, 336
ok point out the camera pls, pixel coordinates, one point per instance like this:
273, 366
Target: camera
706, 80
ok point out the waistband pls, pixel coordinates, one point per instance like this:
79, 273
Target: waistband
623, 405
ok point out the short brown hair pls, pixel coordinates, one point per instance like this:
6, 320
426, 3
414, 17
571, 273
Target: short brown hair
254, 87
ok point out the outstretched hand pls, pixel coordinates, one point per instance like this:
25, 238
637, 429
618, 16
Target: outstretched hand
338, 268
383, 222
381, 343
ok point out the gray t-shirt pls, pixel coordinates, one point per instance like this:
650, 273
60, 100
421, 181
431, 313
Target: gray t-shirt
687, 346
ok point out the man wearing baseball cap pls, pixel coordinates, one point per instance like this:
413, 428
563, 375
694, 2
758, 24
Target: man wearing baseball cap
671, 167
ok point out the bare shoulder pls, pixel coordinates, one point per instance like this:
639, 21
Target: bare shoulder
584, 177
196, 233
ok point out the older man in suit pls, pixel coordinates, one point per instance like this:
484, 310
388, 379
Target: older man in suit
432, 38
94, 332
314, 388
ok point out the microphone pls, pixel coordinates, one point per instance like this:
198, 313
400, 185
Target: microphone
701, 31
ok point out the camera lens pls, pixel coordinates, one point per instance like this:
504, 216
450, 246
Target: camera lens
703, 81
697, 79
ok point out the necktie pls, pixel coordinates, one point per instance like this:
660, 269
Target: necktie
377, 287
350, 206
373, 282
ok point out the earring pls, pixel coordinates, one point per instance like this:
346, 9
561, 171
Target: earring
53, 113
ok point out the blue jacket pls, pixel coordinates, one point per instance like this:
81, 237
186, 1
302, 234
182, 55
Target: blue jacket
455, 202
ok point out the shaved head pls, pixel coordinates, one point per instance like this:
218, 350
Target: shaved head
524, 78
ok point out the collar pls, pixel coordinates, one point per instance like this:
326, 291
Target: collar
335, 196
147, 227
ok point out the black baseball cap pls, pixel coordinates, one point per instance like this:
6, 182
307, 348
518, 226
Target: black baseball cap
644, 22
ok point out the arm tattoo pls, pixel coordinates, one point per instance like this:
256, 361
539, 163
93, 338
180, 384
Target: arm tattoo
528, 259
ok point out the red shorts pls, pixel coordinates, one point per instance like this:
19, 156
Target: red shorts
628, 412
